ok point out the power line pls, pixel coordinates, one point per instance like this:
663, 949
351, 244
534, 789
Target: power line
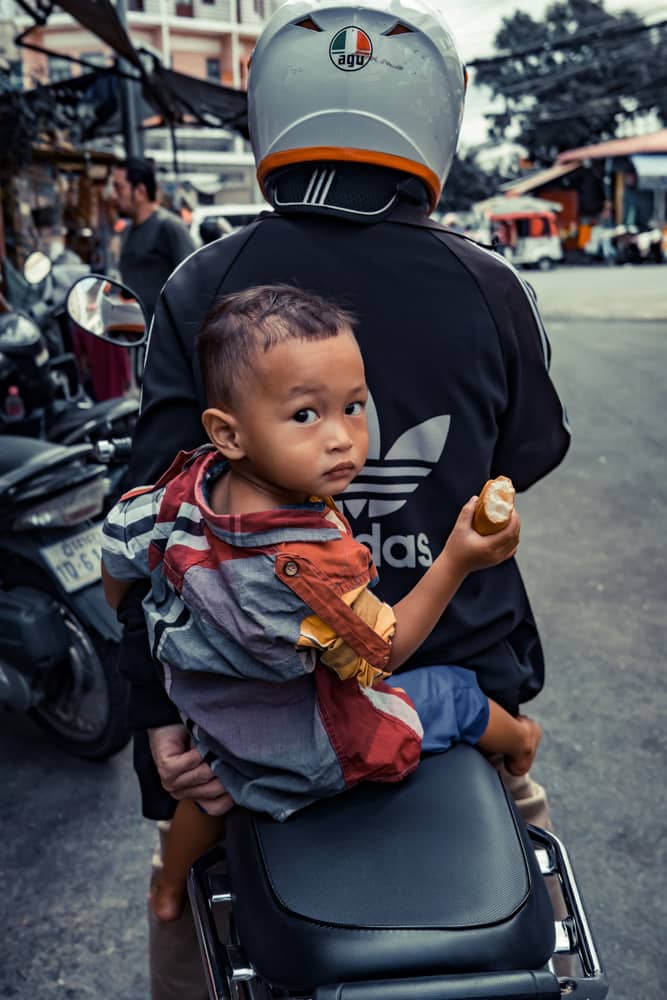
601, 30
543, 82
601, 103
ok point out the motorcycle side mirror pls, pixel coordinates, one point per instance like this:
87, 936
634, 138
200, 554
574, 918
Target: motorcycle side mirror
37, 267
108, 310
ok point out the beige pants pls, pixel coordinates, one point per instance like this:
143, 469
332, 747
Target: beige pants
175, 966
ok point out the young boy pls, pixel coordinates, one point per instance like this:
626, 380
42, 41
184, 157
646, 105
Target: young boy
260, 613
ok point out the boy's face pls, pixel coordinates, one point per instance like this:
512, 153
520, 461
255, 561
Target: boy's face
302, 424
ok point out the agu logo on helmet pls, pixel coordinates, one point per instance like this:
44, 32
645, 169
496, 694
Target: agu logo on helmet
351, 49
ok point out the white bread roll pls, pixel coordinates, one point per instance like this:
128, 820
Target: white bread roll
494, 507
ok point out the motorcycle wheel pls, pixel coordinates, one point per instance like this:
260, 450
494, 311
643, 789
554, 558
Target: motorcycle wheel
84, 706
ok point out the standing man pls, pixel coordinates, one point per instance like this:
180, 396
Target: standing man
156, 241
354, 112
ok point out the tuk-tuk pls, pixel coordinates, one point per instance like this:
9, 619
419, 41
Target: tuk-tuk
526, 229
529, 239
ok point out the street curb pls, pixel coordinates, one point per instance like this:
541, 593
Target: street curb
594, 317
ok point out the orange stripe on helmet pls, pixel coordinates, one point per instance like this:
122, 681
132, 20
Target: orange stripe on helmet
339, 154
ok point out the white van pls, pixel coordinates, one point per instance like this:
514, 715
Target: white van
229, 218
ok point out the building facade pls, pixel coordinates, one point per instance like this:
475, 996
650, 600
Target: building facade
209, 39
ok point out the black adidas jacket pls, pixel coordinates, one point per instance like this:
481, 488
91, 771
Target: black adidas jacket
457, 367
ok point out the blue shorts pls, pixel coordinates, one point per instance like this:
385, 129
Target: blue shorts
449, 702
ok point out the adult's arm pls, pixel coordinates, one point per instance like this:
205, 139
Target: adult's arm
533, 431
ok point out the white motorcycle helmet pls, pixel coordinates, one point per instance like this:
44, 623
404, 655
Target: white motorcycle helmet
376, 83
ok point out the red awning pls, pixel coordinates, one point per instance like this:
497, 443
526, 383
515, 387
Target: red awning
654, 142
538, 179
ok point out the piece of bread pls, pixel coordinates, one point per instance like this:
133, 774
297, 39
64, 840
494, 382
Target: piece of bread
494, 507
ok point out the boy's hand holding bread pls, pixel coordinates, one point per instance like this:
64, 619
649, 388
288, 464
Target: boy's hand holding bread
487, 529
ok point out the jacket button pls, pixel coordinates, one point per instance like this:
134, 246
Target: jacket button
291, 568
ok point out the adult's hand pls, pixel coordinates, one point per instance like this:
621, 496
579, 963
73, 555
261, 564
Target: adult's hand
183, 772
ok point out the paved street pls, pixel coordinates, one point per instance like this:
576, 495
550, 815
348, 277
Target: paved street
75, 853
594, 292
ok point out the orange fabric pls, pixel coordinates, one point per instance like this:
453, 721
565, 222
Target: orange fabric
321, 586
346, 155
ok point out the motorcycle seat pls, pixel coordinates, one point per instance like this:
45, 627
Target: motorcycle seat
433, 875
18, 451
75, 418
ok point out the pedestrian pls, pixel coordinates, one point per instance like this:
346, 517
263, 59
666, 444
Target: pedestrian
286, 418
155, 241
455, 353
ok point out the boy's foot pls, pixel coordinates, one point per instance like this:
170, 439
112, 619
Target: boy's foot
166, 901
521, 761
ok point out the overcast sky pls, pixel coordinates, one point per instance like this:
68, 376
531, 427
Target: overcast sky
475, 23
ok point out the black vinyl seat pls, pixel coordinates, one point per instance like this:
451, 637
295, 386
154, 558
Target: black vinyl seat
434, 875
73, 418
16, 451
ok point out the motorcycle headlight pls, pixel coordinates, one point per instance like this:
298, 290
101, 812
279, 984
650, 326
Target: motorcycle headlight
62, 511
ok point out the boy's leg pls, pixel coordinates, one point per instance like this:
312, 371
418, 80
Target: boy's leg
533, 806
529, 797
192, 832
515, 737
175, 967
451, 706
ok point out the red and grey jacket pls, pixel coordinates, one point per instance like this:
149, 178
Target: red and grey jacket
243, 614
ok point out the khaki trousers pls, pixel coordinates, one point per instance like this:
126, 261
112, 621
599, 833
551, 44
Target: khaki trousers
175, 967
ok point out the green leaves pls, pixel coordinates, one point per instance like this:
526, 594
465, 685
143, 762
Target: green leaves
574, 77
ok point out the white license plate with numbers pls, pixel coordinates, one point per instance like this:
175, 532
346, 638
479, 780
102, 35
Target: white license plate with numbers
76, 560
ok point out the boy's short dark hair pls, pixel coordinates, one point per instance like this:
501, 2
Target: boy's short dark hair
244, 324
141, 171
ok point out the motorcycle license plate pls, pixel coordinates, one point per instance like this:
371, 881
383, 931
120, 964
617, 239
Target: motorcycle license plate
76, 560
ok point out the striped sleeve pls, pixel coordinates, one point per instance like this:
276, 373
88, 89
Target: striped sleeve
127, 533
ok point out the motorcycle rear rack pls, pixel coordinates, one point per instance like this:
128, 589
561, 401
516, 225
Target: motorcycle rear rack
226, 966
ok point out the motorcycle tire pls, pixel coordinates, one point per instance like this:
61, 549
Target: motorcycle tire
85, 699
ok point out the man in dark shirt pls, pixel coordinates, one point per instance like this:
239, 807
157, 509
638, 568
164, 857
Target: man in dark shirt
455, 353
155, 241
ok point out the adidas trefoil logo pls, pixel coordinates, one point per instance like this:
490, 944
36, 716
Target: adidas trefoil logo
385, 484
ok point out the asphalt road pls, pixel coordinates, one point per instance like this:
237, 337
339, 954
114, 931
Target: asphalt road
74, 853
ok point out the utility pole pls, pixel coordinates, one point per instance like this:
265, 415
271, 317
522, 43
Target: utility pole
129, 98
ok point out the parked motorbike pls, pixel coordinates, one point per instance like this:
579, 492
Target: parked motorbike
429, 889
58, 637
42, 393
633, 246
41, 387
48, 282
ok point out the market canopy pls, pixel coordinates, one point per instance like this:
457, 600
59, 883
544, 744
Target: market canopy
89, 107
652, 142
101, 19
167, 97
538, 178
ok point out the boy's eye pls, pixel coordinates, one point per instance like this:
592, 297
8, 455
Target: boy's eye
305, 416
354, 409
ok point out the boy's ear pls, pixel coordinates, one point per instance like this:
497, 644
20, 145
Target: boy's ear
223, 431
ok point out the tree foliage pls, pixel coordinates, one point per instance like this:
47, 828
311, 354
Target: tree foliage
574, 77
467, 182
